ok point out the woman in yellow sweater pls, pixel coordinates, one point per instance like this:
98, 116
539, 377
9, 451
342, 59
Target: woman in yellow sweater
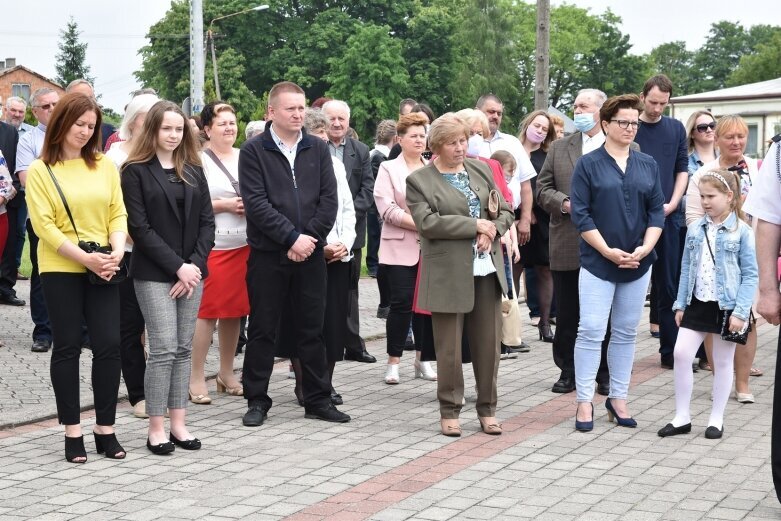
89, 183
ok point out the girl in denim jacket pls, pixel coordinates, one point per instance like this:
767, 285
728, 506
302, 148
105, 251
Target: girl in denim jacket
718, 276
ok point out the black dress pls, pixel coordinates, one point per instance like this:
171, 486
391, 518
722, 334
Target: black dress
535, 252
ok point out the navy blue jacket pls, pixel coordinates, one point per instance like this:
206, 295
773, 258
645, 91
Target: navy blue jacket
278, 206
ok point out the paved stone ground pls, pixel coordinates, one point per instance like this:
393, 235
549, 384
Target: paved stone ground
390, 463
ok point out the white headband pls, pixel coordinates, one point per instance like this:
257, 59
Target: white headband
719, 177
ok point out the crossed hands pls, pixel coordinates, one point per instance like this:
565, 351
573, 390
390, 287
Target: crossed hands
189, 276
486, 233
104, 265
302, 248
626, 260
334, 252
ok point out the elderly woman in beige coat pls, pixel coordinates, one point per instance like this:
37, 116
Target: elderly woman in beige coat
462, 273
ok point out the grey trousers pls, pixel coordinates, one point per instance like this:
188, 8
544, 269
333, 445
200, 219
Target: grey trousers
170, 325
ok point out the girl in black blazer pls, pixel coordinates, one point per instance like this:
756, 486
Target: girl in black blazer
171, 222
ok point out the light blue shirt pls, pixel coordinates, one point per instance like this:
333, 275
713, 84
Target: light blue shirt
30, 147
290, 153
24, 128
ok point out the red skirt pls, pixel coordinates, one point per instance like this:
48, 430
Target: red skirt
225, 289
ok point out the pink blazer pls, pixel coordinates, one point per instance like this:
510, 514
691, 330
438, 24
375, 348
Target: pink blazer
398, 246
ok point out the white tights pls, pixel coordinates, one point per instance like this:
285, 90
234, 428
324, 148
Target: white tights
723, 356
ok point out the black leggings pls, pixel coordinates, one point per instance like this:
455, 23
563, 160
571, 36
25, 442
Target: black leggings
401, 280
71, 300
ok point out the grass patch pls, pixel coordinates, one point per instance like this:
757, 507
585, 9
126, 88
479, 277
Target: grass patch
26, 268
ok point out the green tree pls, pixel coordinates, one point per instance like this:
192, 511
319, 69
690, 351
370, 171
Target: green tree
675, 61
71, 58
230, 66
763, 64
726, 43
370, 75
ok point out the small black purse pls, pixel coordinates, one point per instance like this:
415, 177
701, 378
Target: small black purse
91, 246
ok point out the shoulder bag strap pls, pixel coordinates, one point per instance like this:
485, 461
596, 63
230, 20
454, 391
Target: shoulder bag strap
217, 162
710, 250
64, 201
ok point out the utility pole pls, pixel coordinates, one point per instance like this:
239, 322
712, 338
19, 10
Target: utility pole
197, 58
542, 62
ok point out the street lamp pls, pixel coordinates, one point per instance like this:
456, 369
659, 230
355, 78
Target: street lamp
210, 37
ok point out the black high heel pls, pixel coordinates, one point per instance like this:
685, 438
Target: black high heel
108, 443
546, 334
74, 448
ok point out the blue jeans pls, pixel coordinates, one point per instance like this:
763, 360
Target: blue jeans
597, 298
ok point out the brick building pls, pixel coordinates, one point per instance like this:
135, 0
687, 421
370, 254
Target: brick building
18, 80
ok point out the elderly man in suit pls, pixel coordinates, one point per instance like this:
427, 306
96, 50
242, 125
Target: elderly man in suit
553, 191
355, 156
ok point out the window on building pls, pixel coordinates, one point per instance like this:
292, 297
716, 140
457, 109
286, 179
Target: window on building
752, 149
22, 90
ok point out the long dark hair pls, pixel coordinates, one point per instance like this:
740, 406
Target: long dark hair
68, 110
145, 144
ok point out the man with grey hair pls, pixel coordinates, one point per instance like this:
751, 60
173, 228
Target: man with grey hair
254, 128
355, 156
553, 192
85, 87
15, 109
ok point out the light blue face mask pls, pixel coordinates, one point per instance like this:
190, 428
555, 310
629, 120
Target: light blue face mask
473, 148
585, 121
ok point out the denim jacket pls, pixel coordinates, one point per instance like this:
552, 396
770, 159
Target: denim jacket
736, 265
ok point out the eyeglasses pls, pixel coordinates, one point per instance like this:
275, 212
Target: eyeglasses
626, 124
705, 126
47, 106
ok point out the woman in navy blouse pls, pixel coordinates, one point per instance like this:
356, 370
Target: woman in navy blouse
617, 206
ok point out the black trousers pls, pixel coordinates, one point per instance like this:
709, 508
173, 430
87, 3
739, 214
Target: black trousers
565, 291
354, 343
271, 280
775, 433
401, 280
38, 311
373, 229
383, 286
73, 301
664, 277
8, 267
131, 350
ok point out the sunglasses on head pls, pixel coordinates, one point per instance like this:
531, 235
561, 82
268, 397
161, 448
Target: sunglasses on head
705, 126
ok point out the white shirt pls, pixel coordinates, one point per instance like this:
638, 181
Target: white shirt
705, 282
290, 153
764, 199
344, 226
591, 143
230, 229
524, 171
383, 149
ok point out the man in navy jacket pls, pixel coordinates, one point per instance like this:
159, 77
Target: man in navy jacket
288, 187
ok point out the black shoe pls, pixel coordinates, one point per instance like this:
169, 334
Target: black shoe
11, 300
382, 312
193, 444
564, 385
74, 448
363, 356
336, 398
161, 448
506, 352
712, 433
328, 413
108, 444
603, 389
545, 331
668, 361
40, 346
255, 416
514, 350
671, 430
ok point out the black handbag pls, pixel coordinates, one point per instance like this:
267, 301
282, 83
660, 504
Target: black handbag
738, 337
91, 246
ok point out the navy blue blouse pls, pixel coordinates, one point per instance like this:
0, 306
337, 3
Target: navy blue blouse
622, 206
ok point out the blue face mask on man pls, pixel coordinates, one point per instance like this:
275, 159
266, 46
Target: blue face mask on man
585, 121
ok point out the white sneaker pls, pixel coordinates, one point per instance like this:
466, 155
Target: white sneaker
392, 374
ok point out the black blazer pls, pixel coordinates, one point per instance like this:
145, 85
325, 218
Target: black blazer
359, 176
162, 240
9, 137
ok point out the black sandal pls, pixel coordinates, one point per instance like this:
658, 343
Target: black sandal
108, 443
74, 448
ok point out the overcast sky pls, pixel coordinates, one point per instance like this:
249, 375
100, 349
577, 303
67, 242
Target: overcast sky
115, 30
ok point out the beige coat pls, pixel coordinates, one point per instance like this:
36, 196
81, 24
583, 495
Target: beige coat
446, 230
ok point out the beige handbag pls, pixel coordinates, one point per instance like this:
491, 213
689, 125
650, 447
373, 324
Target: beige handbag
511, 315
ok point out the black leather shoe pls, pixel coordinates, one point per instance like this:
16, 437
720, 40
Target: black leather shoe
255, 416
668, 361
564, 385
328, 413
336, 398
603, 389
363, 356
11, 300
671, 430
161, 448
193, 444
40, 346
712, 433
382, 312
